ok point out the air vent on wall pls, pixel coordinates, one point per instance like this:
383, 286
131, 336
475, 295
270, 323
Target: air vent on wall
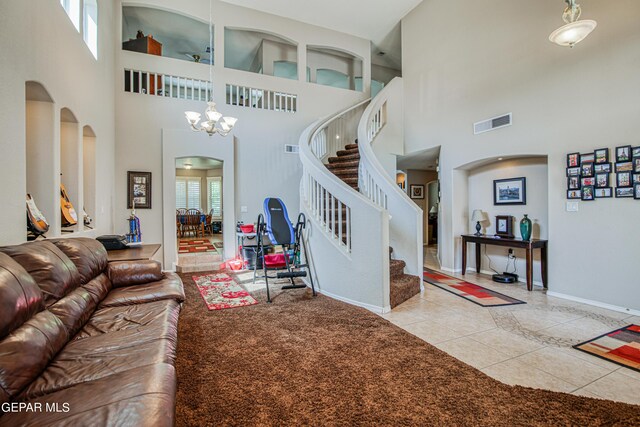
291, 149
492, 124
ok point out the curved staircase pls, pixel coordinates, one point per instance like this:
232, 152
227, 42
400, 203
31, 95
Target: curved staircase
346, 165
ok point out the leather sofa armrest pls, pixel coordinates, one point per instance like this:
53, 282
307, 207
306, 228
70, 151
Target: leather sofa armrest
127, 273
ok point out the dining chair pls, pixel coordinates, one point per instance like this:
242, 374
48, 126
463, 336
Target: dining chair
193, 222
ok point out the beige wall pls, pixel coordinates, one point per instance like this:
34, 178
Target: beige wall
468, 61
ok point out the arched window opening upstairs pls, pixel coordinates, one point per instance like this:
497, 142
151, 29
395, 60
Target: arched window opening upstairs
334, 67
260, 52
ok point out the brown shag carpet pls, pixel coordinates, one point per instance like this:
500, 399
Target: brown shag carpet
317, 361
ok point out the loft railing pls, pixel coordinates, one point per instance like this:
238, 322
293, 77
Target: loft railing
150, 83
261, 99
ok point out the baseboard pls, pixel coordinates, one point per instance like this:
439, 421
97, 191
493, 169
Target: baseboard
372, 308
520, 277
629, 311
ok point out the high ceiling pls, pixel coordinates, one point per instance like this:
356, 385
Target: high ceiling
376, 20
198, 163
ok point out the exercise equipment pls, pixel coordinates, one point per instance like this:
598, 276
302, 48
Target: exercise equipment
276, 225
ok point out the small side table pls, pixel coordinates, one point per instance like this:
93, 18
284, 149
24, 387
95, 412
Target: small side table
135, 253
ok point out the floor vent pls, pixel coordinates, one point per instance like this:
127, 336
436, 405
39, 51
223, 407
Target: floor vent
492, 124
291, 149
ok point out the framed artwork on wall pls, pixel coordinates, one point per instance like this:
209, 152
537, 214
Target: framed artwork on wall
635, 152
587, 169
512, 191
624, 192
139, 190
604, 167
573, 183
573, 160
416, 191
623, 153
602, 180
623, 179
574, 194
588, 192
601, 156
602, 193
573, 171
587, 158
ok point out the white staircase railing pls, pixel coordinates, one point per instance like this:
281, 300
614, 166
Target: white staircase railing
348, 235
406, 218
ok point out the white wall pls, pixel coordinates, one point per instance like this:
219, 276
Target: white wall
263, 169
481, 197
39, 43
496, 60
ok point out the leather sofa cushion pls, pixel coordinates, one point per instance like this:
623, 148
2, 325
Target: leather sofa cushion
20, 297
88, 255
98, 287
170, 287
25, 352
138, 397
128, 325
52, 270
74, 309
126, 273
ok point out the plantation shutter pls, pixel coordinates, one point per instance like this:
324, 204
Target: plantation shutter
214, 196
181, 194
193, 193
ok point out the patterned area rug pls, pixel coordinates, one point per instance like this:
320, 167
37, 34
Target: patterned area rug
220, 291
469, 291
621, 346
195, 246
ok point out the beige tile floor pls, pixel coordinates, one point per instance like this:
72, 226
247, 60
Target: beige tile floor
527, 344
200, 261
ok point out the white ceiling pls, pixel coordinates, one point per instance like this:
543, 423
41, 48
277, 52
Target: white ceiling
376, 20
199, 163
420, 160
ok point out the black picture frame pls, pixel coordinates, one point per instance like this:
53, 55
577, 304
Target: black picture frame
504, 194
139, 190
587, 181
587, 158
623, 153
624, 167
574, 194
623, 180
603, 193
574, 171
635, 152
602, 180
416, 191
504, 226
573, 183
636, 191
588, 193
636, 164
587, 169
603, 167
635, 178
601, 156
624, 192
573, 160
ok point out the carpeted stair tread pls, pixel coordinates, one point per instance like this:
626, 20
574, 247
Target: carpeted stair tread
351, 172
351, 146
350, 180
342, 159
403, 288
343, 165
347, 152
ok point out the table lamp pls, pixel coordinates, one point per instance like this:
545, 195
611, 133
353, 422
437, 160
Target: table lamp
477, 216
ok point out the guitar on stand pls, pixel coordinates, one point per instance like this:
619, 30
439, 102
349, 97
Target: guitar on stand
36, 222
69, 215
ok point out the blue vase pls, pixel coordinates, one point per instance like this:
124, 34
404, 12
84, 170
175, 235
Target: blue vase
525, 228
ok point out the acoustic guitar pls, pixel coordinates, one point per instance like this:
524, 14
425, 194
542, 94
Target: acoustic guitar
36, 222
69, 215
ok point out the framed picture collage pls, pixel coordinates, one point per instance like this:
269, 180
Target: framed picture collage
592, 176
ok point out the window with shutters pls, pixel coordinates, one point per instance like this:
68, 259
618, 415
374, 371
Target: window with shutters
214, 196
187, 193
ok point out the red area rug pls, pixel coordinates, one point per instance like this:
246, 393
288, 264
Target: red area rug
195, 246
469, 291
621, 346
219, 291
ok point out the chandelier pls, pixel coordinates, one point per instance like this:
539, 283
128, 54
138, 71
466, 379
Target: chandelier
215, 122
574, 31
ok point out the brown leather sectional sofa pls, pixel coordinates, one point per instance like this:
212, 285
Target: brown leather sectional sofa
85, 342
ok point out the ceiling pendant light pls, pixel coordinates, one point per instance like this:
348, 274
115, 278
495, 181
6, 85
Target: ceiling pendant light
574, 31
214, 121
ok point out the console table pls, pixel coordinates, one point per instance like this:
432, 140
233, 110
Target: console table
528, 246
135, 253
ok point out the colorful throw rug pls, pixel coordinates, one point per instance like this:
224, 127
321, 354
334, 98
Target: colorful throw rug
195, 246
219, 291
469, 291
621, 346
